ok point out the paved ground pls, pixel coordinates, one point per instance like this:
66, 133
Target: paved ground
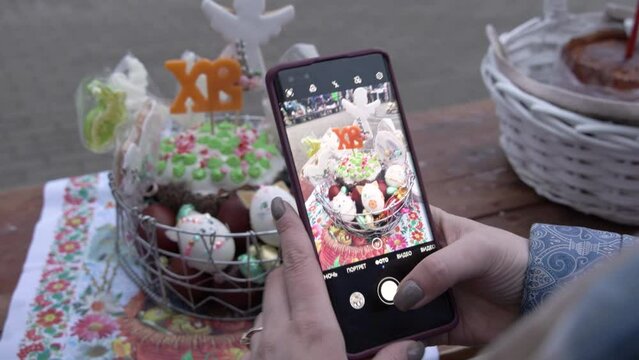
48, 46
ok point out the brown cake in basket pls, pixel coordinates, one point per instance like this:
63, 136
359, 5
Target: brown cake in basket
599, 59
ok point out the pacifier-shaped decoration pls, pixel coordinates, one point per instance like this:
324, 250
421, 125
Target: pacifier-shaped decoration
223, 92
106, 112
202, 240
389, 143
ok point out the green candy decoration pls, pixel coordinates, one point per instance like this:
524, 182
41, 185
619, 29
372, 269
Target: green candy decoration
178, 170
233, 161
227, 148
237, 175
177, 158
250, 158
251, 269
205, 128
189, 159
254, 171
215, 163
217, 175
214, 143
225, 128
265, 163
272, 149
100, 123
204, 140
166, 146
161, 166
390, 190
198, 174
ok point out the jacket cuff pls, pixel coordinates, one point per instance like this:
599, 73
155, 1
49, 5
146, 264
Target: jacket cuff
559, 254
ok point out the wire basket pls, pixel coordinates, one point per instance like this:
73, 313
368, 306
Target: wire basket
391, 214
586, 163
220, 293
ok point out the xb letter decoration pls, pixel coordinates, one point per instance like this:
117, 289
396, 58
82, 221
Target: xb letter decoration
222, 84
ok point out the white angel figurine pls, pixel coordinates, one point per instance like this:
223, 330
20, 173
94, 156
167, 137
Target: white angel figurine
249, 24
361, 109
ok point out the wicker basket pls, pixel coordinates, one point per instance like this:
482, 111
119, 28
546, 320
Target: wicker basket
583, 162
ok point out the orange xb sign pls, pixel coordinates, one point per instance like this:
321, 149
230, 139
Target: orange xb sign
222, 77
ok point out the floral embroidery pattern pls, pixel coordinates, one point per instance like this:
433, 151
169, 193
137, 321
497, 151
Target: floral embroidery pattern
49, 316
78, 311
94, 326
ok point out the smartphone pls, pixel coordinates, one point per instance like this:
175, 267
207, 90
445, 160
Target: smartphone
352, 167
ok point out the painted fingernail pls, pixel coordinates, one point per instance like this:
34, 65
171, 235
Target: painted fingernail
277, 208
408, 295
415, 351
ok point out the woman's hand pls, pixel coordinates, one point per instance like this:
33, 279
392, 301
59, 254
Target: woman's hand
297, 317
484, 266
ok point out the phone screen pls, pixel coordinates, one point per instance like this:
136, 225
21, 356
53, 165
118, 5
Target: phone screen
362, 193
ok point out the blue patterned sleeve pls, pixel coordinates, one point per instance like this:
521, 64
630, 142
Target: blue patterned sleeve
559, 254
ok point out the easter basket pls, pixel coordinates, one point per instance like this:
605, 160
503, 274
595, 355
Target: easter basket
582, 161
215, 290
380, 224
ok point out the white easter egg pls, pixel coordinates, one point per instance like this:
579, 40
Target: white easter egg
372, 198
395, 176
260, 211
200, 240
344, 206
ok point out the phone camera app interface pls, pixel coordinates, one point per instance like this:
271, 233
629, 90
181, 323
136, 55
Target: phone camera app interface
357, 178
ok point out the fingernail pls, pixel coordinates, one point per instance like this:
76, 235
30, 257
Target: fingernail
408, 295
415, 351
277, 208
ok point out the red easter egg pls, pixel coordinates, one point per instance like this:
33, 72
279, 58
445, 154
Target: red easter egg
180, 268
165, 216
333, 191
240, 295
382, 186
235, 215
355, 195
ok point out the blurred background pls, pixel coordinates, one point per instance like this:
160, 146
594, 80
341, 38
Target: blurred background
49, 46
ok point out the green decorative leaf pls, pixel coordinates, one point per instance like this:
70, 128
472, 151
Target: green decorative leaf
336, 262
187, 356
45, 355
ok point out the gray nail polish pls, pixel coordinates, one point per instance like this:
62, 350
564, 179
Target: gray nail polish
408, 295
277, 208
415, 351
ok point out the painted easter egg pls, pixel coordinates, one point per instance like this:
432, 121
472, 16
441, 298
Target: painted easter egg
260, 211
396, 175
372, 198
200, 240
344, 206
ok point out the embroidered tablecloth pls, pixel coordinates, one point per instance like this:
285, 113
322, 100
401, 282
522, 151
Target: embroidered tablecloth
73, 301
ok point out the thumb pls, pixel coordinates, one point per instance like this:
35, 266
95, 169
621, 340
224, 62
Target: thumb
409, 350
443, 269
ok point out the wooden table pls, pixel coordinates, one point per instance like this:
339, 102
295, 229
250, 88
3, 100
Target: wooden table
465, 171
